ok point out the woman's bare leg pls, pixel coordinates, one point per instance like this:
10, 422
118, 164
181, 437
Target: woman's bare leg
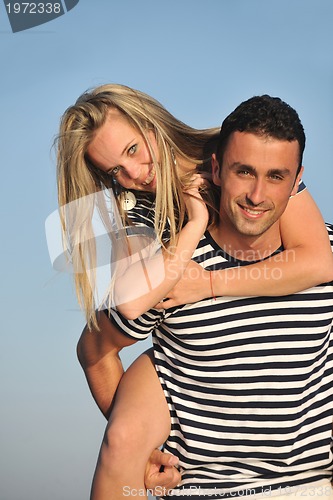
139, 423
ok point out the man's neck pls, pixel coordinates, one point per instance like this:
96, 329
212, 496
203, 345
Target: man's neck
244, 247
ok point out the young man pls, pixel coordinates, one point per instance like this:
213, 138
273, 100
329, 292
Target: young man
248, 380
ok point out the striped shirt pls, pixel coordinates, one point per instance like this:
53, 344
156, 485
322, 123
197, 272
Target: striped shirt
249, 384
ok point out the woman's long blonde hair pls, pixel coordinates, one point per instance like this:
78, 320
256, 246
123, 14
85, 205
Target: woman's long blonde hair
178, 144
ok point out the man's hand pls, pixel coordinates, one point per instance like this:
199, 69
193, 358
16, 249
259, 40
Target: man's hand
157, 481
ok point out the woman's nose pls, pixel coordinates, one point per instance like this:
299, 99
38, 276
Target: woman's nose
132, 170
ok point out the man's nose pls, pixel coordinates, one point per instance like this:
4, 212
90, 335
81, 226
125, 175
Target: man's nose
256, 193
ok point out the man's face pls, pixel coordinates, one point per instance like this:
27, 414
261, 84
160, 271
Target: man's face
257, 177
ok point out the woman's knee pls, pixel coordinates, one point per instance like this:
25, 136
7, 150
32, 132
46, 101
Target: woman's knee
127, 433
124, 444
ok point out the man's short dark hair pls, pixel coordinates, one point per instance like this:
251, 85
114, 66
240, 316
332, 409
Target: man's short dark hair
263, 116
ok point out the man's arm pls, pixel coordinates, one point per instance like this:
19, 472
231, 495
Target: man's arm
98, 354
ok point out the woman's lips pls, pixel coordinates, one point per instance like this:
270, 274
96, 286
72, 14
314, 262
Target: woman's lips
150, 177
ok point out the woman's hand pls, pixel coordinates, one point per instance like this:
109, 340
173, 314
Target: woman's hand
195, 206
195, 285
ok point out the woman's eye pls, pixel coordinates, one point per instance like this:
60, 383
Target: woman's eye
115, 171
132, 149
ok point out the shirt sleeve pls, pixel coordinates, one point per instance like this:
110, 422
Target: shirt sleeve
141, 216
137, 329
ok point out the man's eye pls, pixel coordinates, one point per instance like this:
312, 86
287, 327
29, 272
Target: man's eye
132, 149
276, 177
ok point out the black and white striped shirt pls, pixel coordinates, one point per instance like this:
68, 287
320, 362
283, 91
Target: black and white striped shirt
249, 384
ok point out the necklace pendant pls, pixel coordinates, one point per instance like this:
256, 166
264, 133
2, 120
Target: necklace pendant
127, 200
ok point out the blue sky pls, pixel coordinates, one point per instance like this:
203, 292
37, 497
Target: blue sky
200, 59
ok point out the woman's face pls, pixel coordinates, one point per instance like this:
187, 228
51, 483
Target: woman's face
121, 151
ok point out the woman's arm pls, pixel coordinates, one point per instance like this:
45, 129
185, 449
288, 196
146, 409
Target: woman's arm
134, 291
303, 230
306, 262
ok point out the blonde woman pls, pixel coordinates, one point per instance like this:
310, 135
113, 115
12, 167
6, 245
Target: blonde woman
118, 133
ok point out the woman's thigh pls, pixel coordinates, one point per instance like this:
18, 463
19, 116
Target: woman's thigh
140, 406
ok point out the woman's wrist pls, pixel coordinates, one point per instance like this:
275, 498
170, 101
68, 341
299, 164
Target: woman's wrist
206, 282
212, 294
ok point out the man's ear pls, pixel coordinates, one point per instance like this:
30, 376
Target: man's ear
297, 181
215, 171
